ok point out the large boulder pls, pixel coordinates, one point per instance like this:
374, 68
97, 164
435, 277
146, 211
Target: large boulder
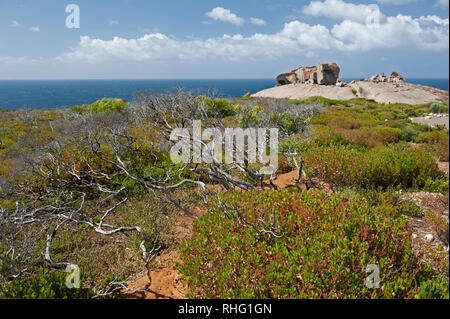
286, 78
327, 73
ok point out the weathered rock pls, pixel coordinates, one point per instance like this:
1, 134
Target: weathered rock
396, 78
377, 78
286, 78
248, 94
327, 73
304, 74
323, 73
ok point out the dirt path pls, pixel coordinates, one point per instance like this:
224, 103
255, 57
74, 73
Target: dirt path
166, 281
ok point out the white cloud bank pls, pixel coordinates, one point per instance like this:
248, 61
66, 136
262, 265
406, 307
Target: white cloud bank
352, 34
225, 15
340, 10
428, 33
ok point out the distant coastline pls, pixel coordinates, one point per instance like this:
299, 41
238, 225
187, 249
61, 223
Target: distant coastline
38, 94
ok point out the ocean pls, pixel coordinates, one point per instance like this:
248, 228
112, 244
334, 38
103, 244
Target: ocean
42, 94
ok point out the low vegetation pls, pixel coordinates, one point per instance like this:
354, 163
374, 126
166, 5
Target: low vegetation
321, 250
94, 186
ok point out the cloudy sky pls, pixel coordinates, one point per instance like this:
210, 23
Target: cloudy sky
222, 39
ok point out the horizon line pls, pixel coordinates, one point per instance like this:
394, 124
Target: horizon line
243, 78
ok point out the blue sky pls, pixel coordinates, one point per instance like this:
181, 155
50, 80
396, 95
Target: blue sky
222, 39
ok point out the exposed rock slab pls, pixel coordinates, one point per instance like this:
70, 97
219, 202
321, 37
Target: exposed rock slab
432, 120
383, 92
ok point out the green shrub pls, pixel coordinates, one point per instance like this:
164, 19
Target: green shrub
438, 108
438, 185
46, 286
438, 141
372, 168
409, 135
387, 135
390, 197
433, 289
105, 105
219, 107
325, 246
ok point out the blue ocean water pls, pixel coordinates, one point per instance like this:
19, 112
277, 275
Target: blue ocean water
41, 94
66, 93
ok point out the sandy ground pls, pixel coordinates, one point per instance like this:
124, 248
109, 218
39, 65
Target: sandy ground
380, 92
166, 281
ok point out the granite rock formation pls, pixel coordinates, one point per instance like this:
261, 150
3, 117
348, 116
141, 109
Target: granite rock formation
323, 73
393, 78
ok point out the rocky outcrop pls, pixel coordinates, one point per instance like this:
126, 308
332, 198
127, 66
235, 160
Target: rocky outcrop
393, 78
377, 78
323, 73
323, 80
306, 74
286, 78
396, 78
327, 73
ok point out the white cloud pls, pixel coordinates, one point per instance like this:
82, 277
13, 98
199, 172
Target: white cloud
429, 33
15, 24
340, 10
225, 15
113, 22
257, 21
34, 29
424, 33
442, 3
